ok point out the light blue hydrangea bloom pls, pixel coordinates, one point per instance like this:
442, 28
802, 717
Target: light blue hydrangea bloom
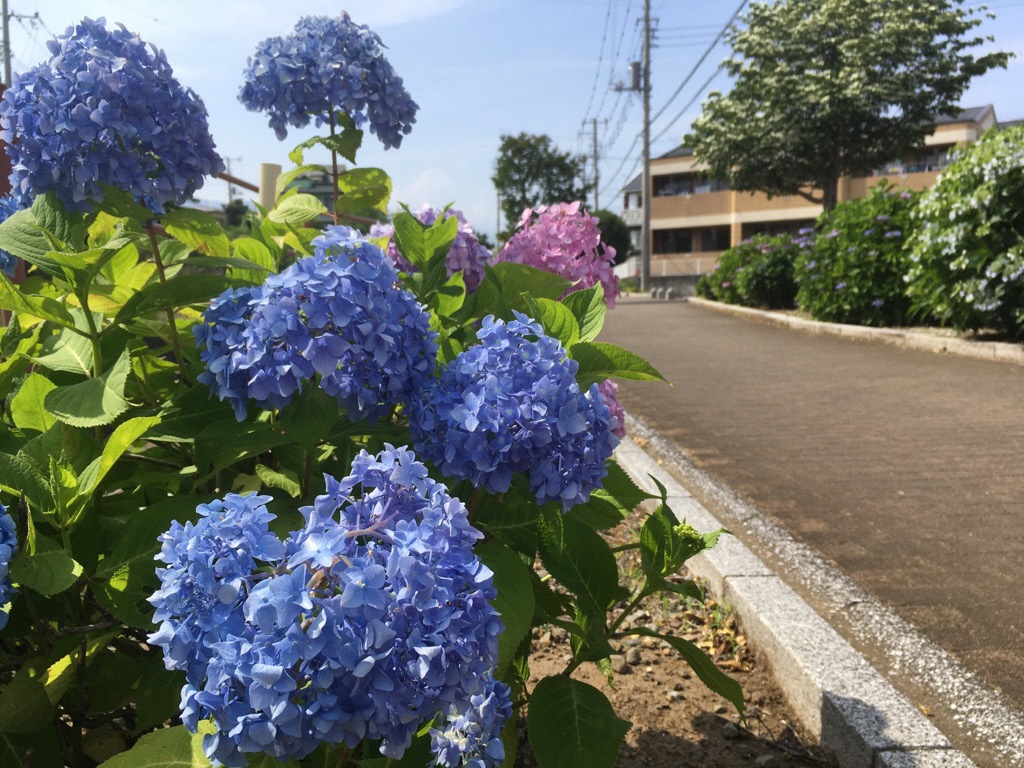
339, 315
511, 404
105, 109
328, 65
8, 549
367, 623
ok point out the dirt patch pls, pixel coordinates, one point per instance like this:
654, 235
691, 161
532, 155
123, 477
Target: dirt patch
677, 721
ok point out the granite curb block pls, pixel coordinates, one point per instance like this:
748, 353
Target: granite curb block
989, 350
854, 712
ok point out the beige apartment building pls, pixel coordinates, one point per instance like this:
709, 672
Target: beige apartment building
694, 218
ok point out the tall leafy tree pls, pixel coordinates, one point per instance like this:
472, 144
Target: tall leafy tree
825, 88
532, 171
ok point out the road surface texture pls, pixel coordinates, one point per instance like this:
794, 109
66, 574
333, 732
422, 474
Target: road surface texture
903, 468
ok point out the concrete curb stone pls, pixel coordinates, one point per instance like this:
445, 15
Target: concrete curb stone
907, 339
854, 711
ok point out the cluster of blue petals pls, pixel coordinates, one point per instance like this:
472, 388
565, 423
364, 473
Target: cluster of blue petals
339, 314
8, 549
511, 404
105, 109
327, 65
371, 621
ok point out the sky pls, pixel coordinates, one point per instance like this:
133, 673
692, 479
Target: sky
478, 69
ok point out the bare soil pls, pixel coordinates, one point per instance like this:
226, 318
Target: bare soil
677, 721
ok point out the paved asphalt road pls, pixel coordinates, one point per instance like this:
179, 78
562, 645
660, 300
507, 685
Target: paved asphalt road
904, 468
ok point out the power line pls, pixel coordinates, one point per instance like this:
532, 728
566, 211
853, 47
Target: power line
600, 57
690, 103
700, 61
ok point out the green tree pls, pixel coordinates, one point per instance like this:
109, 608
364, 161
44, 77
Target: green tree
826, 88
614, 232
532, 171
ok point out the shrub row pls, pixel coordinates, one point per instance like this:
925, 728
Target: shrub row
952, 255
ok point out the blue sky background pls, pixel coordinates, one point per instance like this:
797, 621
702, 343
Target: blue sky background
478, 69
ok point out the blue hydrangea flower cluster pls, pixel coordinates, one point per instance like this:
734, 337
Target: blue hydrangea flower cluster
466, 255
9, 205
511, 404
471, 735
328, 64
339, 314
8, 549
105, 109
372, 620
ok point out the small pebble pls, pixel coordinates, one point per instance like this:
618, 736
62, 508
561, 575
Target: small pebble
545, 639
678, 687
675, 696
559, 635
721, 709
633, 656
619, 665
632, 641
730, 731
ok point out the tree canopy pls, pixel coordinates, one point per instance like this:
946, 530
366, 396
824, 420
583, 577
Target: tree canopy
532, 171
826, 88
614, 232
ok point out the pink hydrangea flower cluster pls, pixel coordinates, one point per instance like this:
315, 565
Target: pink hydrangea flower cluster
610, 394
466, 254
566, 240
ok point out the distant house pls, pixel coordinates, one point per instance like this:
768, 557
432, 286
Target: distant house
694, 218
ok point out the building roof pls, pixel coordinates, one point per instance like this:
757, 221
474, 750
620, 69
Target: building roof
968, 115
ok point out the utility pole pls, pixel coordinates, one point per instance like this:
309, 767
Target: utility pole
645, 229
8, 15
231, 187
597, 182
640, 80
7, 45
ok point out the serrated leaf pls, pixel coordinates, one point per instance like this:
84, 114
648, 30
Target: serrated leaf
119, 441
179, 291
702, 665
21, 236
67, 351
589, 308
619, 488
581, 561
198, 230
255, 252
19, 475
28, 406
298, 209
38, 749
157, 695
363, 190
572, 725
286, 178
309, 418
345, 143
42, 307
94, 402
286, 481
514, 600
556, 319
597, 513
519, 280
599, 361
48, 571
166, 748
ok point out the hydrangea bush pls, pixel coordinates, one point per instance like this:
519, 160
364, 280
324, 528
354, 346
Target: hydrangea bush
853, 270
755, 273
344, 482
967, 255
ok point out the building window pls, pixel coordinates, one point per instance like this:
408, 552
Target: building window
716, 239
673, 241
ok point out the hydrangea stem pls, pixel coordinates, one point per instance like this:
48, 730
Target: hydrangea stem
173, 326
334, 171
